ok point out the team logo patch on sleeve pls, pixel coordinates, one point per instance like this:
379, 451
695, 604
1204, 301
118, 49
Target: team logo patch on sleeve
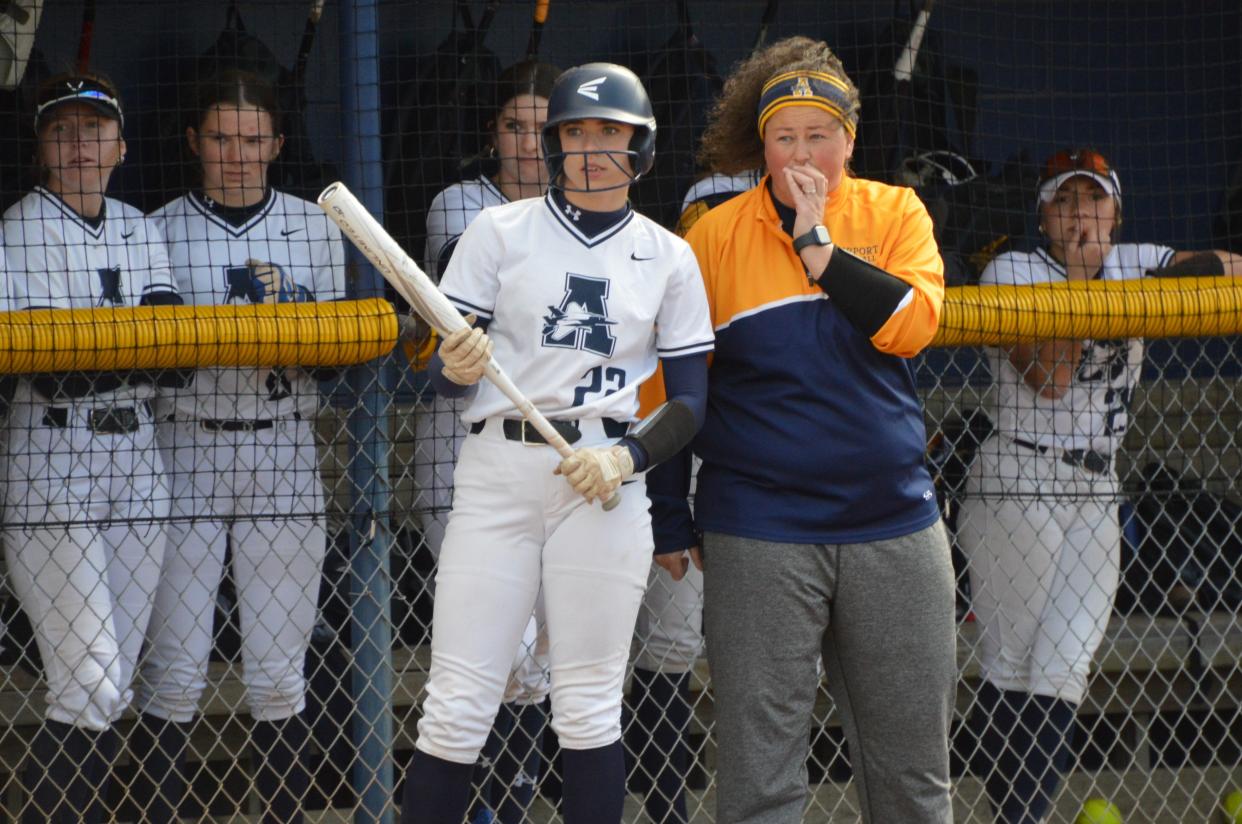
581, 320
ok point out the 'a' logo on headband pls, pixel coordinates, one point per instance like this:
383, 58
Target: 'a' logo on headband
803, 87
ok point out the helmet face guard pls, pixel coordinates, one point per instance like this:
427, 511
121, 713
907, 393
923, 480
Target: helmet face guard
600, 91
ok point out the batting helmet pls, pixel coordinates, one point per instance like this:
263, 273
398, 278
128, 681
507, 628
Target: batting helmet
600, 91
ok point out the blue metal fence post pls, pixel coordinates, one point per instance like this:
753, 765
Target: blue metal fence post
370, 588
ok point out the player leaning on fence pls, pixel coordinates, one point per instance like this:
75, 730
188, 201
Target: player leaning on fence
580, 297
1039, 523
85, 499
240, 451
820, 527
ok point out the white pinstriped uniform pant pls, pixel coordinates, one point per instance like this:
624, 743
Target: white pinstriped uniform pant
261, 488
84, 539
1043, 540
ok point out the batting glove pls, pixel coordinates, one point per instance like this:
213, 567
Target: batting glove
465, 354
278, 287
596, 472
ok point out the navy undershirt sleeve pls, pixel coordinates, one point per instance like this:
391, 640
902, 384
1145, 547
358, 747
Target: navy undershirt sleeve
668, 484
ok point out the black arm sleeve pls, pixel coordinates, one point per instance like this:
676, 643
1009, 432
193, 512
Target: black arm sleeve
865, 294
669, 428
1203, 264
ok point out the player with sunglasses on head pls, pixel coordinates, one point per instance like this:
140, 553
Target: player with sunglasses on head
580, 298
85, 500
1039, 522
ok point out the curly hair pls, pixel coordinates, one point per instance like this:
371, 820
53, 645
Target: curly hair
731, 142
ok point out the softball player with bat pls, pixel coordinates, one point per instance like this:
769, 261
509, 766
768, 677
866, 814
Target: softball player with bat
580, 298
1039, 521
820, 529
85, 498
240, 450
512, 753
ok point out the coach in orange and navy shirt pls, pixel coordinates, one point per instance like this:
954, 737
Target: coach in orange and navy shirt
820, 528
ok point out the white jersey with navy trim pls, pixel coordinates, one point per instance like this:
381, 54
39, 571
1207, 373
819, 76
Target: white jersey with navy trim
1093, 414
451, 212
208, 256
716, 185
572, 316
56, 260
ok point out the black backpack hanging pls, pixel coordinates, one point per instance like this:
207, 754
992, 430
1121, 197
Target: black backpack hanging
437, 128
683, 84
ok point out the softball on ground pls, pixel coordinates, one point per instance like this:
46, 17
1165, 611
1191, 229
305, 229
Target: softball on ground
1098, 811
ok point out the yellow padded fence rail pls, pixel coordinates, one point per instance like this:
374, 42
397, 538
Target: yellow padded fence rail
1146, 308
336, 333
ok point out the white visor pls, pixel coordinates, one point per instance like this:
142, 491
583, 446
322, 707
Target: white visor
1109, 182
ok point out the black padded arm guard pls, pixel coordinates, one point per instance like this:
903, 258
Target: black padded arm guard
865, 294
1203, 264
665, 432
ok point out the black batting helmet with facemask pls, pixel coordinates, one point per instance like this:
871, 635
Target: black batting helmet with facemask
600, 91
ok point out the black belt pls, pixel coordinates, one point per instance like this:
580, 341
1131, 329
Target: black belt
222, 425
1088, 459
522, 430
106, 420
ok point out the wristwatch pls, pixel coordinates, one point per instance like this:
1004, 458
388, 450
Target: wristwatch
817, 236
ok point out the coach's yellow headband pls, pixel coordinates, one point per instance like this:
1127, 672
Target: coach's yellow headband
805, 88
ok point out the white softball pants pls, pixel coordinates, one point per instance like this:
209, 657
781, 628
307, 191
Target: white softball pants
439, 434
516, 528
84, 538
262, 490
1042, 540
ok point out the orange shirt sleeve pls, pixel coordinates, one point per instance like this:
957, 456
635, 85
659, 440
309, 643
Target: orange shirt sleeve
915, 259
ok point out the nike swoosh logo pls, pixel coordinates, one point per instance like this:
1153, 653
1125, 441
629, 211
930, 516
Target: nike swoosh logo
286, 233
634, 256
125, 235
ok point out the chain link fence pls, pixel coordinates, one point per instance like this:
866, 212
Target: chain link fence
185, 552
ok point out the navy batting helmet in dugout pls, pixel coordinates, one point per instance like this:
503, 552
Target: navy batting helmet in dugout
600, 91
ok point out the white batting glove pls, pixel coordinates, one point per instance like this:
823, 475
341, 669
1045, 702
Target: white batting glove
465, 354
278, 287
596, 472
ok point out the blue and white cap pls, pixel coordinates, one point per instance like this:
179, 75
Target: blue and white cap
79, 89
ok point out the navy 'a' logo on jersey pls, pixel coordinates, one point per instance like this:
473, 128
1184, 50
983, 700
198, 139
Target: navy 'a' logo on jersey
110, 286
581, 320
239, 285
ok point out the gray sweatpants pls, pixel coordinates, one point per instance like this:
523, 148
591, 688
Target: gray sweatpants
881, 613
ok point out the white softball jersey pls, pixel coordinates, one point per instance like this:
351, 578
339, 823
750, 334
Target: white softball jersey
209, 261
57, 260
715, 186
451, 212
578, 322
1093, 414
